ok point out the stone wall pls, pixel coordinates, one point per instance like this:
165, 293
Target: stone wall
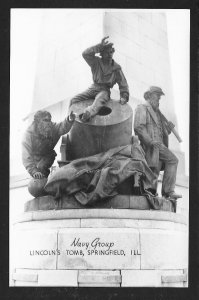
141, 44
61, 70
99, 247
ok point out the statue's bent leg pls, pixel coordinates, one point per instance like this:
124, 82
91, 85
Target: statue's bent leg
156, 172
169, 177
46, 162
90, 93
101, 99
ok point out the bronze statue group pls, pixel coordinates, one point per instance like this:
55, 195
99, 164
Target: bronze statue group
148, 157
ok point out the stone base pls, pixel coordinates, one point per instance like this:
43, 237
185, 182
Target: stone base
119, 201
99, 247
100, 278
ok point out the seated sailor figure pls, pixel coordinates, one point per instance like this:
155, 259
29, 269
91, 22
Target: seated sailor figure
106, 73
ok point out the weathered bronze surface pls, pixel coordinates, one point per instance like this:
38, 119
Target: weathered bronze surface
119, 201
153, 130
112, 127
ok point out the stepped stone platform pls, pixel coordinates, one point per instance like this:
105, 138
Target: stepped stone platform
100, 247
119, 201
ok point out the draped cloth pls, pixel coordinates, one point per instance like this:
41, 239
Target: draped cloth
97, 177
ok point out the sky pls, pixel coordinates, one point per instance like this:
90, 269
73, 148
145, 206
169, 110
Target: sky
179, 39
26, 23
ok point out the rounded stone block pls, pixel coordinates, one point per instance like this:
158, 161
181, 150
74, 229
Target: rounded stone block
103, 132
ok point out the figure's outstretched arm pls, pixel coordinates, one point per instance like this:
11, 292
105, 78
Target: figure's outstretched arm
66, 125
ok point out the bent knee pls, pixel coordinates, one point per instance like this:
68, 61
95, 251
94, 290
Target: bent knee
74, 100
174, 159
103, 96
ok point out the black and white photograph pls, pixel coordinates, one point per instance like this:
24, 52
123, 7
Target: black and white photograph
99, 148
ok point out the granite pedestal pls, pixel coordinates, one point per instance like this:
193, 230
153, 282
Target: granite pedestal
100, 247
